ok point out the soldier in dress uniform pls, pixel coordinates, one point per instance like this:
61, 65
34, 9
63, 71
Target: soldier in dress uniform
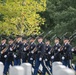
47, 58
39, 55
25, 50
66, 52
32, 48
2, 49
57, 54
9, 56
18, 50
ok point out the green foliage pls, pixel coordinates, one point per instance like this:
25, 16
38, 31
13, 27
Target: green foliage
20, 16
63, 14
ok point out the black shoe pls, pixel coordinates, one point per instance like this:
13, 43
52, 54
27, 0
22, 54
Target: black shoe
40, 72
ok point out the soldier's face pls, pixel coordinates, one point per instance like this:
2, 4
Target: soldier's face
31, 40
56, 41
47, 43
10, 42
66, 41
40, 40
19, 39
3, 41
24, 41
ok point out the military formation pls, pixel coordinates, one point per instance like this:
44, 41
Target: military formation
17, 51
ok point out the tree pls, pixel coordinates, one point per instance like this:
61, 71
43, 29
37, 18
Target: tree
63, 13
21, 17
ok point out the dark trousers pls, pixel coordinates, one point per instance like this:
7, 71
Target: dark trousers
47, 68
24, 60
2, 59
31, 62
17, 61
66, 62
24, 57
6, 67
37, 64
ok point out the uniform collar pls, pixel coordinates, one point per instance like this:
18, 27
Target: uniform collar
57, 44
3, 43
65, 43
47, 45
32, 43
11, 44
40, 42
24, 43
19, 41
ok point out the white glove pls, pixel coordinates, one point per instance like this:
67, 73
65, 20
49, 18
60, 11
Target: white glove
32, 52
10, 49
5, 56
31, 58
49, 53
40, 59
14, 56
63, 58
72, 50
52, 57
45, 59
59, 50
24, 49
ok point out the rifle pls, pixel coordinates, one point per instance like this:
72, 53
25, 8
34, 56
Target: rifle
4, 50
47, 34
53, 37
64, 34
72, 38
72, 35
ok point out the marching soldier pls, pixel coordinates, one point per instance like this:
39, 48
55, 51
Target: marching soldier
18, 50
47, 58
2, 49
32, 48
39, 55
67, 52
24, 50
57, 54
9, 56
